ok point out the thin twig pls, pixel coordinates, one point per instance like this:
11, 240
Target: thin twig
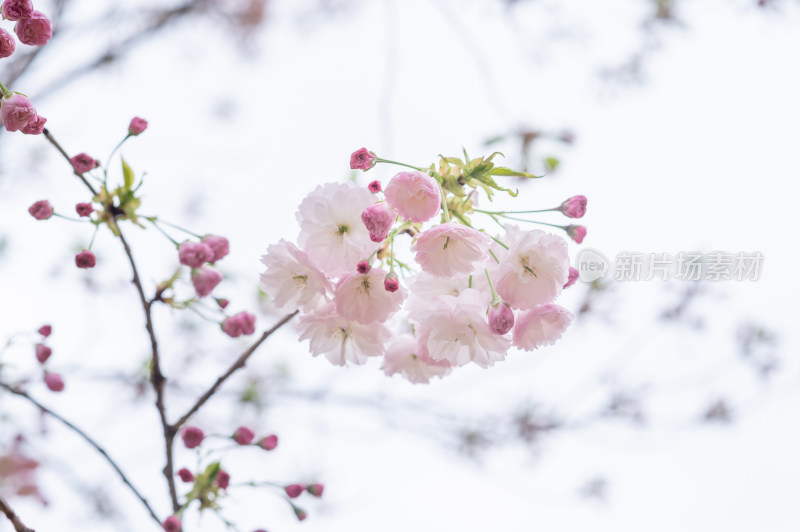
55, 143
157, 378
19, 526
89, 440
240, 363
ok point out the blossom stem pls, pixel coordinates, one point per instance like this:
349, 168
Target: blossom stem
391, 256
516, 212
444, 202
155, 224
70, 218
379, 160
4, 89
91, 242
495, 297
494, 256
111, 156
175, 226
533, 222
499, 242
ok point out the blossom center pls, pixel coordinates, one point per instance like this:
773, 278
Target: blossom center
525, 262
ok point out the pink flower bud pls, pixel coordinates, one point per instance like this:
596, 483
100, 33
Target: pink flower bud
45, 330
294, 490
137, 126
300, 513
576, 232
82, 163
41, 210
205, 279
85, 259
363, 267
16, 111
239, 324
192, 436
186, 475
218, 244
390, 283
84, 209
7, 44
53, 381
223, 479
573, 276
574, 207
501, 318
362, 159
43, 353
15, 10
269, 443
415, 195
378, 219
243, 436
195, 254
172, 524
315, 489
375, 187
35, 30
35, 126
222, 302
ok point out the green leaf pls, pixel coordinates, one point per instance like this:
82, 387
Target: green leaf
503, 171
128, 174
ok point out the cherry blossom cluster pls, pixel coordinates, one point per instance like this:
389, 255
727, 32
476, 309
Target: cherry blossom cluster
33, 28
207, 484
464, 296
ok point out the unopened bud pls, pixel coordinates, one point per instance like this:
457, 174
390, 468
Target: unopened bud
269, 443
243, 436
43, 353
315, 489
501, 318
186, 475
363, 267
54, 381
192, 436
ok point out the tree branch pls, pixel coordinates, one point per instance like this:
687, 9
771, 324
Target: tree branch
19, 526
55, 143
157, 378
86, 438
240, 363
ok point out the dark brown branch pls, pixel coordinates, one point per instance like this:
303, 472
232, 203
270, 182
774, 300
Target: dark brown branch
240, 363
55, 143
19, 526
88, 440
157, 378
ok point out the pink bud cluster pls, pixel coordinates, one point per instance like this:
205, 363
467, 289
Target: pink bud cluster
43, 352
34, 29
199, 256
474, 297
19, 114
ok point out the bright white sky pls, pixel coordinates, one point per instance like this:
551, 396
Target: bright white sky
699, 157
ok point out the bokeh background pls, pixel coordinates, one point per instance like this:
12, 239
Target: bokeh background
668, 405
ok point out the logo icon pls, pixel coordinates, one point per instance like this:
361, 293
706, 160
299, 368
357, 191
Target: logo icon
592, 265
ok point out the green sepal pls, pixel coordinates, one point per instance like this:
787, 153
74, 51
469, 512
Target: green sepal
127, 173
